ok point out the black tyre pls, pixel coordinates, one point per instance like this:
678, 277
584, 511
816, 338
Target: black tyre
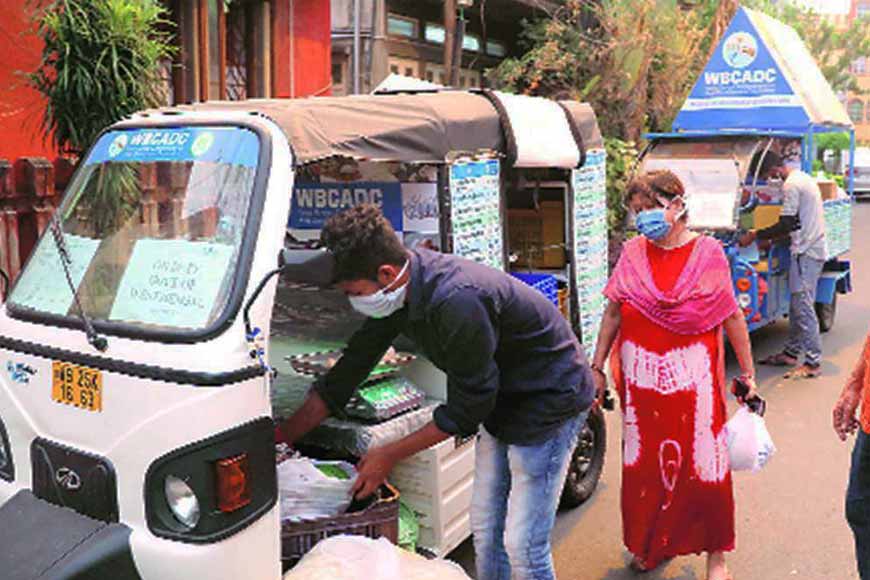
826, 314
587, 461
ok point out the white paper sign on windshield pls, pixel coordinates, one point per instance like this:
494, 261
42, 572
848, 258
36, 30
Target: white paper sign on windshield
712, 186
172, 283
43, 285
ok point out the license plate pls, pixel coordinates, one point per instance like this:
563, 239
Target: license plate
78, 386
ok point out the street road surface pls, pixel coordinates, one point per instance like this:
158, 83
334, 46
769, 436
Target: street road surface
790, 516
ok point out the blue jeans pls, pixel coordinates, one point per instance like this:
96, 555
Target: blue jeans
516, 493
858, 502
803, 324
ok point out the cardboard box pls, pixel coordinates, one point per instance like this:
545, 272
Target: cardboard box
765, 216
535, 236
828, 189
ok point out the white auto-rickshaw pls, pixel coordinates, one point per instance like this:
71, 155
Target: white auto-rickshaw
141, 367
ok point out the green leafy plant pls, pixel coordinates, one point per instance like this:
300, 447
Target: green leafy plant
622, 157
100, 63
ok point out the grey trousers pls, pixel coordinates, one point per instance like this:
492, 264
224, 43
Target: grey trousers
803, 333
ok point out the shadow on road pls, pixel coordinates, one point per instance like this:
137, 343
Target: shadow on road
664, 573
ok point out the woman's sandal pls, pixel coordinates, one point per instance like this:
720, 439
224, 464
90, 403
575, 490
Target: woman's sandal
638, 566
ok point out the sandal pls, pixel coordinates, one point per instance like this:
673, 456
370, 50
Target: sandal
804, 372
782, 359
638, 566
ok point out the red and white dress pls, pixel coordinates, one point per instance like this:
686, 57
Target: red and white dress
676, 483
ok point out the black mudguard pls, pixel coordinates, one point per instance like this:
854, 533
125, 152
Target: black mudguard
42, 541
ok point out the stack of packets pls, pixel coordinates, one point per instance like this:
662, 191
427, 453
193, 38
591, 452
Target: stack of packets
838, 226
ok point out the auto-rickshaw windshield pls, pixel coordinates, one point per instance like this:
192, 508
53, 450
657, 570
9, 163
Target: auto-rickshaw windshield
153, 223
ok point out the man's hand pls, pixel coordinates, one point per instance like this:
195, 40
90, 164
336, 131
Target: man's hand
845, 421
373, 470
747, 238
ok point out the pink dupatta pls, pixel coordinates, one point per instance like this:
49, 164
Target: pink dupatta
701, 299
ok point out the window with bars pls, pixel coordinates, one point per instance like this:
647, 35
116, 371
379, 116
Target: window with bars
236, 54
856, 110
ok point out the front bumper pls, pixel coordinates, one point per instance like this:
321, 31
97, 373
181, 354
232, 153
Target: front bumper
39, 540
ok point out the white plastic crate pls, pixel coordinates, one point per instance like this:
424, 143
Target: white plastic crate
437, 483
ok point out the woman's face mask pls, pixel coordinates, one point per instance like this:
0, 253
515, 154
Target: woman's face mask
656, 223
384, 302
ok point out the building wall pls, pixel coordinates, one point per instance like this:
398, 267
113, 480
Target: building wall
21, 107
402, 36
858, 104
265, 48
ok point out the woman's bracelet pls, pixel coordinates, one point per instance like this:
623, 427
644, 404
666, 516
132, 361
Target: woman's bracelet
595, 367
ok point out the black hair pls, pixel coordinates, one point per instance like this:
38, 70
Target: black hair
362, 240
769, 161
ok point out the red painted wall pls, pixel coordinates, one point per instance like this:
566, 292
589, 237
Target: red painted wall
302, 59
21, 107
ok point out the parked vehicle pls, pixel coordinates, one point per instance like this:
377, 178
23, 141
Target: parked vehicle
717, 133
143, 345
861, 168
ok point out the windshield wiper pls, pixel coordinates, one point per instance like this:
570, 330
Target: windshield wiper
98, 342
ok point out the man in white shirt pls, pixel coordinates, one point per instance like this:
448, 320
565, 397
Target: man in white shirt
803, 218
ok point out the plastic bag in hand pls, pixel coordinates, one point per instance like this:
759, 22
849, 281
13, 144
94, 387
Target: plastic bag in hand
750, 446
307, 493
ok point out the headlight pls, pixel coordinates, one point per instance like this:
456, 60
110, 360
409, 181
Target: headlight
182, 501
744, 300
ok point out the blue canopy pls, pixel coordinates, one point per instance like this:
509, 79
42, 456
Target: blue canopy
761, 78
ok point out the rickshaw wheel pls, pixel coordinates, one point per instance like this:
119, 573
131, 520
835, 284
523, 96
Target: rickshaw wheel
587, 461
826, 314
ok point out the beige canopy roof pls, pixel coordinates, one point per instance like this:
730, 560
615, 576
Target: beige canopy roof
422, 127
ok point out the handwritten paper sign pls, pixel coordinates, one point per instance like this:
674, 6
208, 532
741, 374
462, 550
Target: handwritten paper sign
172, 283
420, 207
42, 285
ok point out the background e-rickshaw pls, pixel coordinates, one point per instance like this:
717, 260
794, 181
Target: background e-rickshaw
723, 124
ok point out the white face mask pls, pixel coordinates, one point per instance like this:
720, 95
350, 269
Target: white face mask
381, 304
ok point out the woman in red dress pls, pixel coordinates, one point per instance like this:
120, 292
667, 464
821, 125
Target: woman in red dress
670, 297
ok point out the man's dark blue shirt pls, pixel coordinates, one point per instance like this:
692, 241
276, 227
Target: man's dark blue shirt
511, 359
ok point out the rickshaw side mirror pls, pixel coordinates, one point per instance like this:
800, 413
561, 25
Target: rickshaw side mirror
311, 267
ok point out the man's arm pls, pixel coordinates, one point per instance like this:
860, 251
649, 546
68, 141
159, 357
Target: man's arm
332, 392
783, 227
845, 422
469, 338
786, 224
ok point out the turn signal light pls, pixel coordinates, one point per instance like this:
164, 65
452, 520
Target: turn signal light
233, 483
744, 284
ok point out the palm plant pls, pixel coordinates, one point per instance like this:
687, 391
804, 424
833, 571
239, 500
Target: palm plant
100, 63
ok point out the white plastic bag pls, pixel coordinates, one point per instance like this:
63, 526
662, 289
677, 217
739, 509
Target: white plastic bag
307, 493
360, 558
750, 446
